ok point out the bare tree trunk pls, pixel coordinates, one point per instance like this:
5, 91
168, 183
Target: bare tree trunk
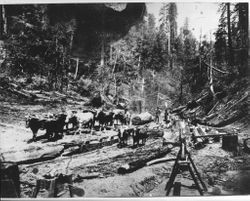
1, 22
200, 49
169, 52
181, 88
102, 54
211, 78
4, 20
230, 60
71, 40
110, 53
116, 97
63, 71
142, 94
116, 57
77, 68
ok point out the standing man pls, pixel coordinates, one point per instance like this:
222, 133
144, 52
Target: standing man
166, 116
157, 115
127, 117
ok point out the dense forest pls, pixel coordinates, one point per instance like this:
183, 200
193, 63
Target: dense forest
123, 55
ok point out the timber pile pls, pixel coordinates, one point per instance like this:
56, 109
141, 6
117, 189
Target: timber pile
220, 113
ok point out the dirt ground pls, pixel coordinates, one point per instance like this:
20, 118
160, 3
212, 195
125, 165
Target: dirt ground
224, 173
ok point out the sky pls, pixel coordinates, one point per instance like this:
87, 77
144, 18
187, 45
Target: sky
202, 16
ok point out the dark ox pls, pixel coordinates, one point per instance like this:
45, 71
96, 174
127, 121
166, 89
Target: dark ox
119, 116
71, 119
140, 134
34, 123
55, 127
105, 118
123, 135
123, 116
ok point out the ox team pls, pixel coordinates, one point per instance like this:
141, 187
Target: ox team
57, 125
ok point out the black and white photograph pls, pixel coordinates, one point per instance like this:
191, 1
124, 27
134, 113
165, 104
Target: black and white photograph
124, 99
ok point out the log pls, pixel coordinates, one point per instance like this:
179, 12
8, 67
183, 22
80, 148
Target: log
200, 131
215, 105
41, 96
155, 132
79, 178
142, 118
33, 91
215, 135
198, 141
20, 93
141, 162
60, 94
201, 98
33, 154
216, 69
72, 150
177, 110
160, 160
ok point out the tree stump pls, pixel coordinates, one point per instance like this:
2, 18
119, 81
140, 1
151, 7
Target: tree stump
230, 142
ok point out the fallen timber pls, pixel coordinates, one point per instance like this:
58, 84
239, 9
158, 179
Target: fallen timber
40, 95
32, 154
215, 135
142, 161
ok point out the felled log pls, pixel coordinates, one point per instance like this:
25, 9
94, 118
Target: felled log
212, 109
20, 93
41, 96
72, 150
209, 117
160, 160
33, 154
155, 132
33, 91
204, 95
79, 178
142, 118
60, 94
179, 109
141, 162
198, 142
75, 102
215, 135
